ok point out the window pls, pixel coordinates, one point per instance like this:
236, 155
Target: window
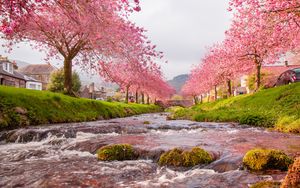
8, 67
32, 86
297, 71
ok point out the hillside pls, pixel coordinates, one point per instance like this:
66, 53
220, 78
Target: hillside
22, 107
277, 108
178, 81
21, 64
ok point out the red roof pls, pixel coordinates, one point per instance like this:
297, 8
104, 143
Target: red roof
277, 70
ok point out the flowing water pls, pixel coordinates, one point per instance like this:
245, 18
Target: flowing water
65, 155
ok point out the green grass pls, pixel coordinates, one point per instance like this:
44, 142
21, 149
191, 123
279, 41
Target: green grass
22, 107
277, 108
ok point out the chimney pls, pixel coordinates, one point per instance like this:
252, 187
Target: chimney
286, 63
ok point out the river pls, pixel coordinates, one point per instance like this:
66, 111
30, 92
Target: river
64, 155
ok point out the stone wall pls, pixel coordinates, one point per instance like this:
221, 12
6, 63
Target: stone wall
11, 81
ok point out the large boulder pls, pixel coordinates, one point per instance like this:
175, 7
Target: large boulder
180, 158
266, 159
117, 152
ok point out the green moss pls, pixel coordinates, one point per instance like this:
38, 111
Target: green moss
178, 157
117, 152
44, 107
266, 159
288, 124
266, 184
277, 108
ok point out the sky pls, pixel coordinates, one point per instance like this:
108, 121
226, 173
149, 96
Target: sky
182, 29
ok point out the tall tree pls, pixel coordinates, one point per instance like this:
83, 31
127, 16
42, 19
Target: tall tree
81, 32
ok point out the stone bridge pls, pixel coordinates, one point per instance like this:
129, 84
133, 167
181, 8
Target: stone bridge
182, 103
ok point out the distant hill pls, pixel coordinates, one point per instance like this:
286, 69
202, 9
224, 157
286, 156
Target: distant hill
178, 82
21, 64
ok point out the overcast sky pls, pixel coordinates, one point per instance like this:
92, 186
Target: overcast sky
182, 29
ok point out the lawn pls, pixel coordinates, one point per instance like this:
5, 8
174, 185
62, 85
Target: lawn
277, 108
22, 107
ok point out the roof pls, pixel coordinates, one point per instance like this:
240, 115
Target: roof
277, 70
14, 75
38, 69
30, 79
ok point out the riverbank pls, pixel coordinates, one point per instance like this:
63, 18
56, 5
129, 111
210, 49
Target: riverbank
22, 107
277, 108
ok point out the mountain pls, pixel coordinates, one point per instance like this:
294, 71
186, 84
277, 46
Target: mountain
178, 82
21, 64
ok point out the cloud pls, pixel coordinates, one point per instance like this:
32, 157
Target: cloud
182, 29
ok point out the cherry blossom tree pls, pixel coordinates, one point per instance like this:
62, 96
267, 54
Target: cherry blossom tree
264, 30
137, 77
82, 32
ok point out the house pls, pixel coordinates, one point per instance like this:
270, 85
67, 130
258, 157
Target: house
33, 84
39, 72
92, 92
8, 74
271, 74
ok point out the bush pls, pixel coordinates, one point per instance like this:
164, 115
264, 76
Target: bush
266, 184
180, 158
117, 152
57, 81
255, 119
266, 159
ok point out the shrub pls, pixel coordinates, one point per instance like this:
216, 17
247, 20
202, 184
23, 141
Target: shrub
178, 157
266, 159
117, 152
57, 81
260, 120
266, 184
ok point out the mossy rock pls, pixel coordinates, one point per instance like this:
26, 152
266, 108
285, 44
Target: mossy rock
266, 159
266, 184
117, 152
146, 122
180, 158
293, 177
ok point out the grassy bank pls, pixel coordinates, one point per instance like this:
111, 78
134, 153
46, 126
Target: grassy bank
277, 108
22, 107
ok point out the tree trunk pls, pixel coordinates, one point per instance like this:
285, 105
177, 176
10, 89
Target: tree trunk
148, 99
137, 97
258, 75
68, 76
195, 100
201, 99
216, 93
127, 94
143, 98
208, 97
229, 89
